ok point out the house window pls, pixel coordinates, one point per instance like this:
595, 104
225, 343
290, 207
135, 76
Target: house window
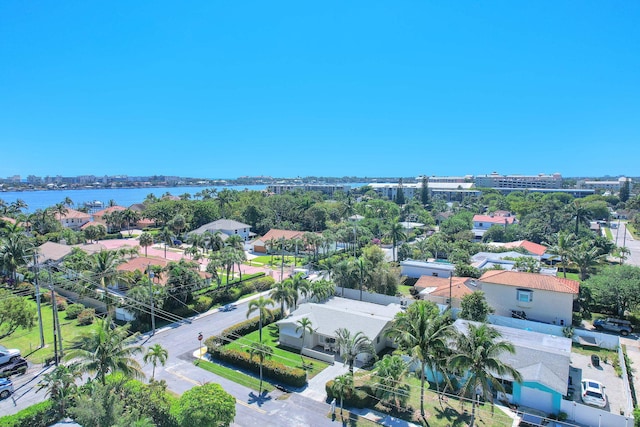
434, 274
378, 339
525, 295
507, 385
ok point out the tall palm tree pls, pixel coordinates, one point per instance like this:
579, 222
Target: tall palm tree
391, 371
306, 326
156, 354
396, 233
261, 351
215, 263
579, 213
585, 257
351, 346
342, 385
16, 250
214, 240
422, 332
61, 386
477, 355
166, 236
363, 268
321, 290
146, 240
300, 286
260, 305
107, 349
225, 197
282, 292
562, 248
104, 268
130, 216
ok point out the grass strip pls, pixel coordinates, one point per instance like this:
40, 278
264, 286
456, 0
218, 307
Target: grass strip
233, 375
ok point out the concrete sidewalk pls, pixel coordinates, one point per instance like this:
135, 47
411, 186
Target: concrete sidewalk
316, 386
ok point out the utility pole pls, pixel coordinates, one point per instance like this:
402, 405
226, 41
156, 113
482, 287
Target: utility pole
37, 285
153, 318
57, 336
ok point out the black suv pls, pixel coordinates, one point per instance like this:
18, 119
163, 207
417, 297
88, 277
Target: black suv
614, 325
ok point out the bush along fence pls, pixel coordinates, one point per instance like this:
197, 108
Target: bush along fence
276, 371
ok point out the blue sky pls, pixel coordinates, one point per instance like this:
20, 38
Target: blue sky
224, 89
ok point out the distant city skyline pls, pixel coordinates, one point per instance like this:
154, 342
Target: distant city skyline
223, 90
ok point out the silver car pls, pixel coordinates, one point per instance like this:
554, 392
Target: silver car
6, 388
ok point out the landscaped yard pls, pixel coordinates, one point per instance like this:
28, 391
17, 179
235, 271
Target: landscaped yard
276, 260
234, 375
28, 341
286, 357
450, 411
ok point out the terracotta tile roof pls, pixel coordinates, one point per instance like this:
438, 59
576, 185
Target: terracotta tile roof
84, 226
109, 210
531, 247
494, 219
7, 219
72, 213
531, 281
278, 234
141, 263
460, 286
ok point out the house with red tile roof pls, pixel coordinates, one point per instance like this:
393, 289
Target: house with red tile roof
261, 245
440, 289
98, 217
531, 247
73, 219
532, 296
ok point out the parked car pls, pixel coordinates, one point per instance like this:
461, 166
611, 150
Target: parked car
615, 325
228, 307
16, 366
6, 388
8, 354
593, 393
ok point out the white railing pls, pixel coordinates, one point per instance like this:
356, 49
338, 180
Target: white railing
318, 355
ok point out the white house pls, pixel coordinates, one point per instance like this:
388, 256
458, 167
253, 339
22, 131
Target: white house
73, 219
226, 226
531, 296
417, 269
482, 223
356, 316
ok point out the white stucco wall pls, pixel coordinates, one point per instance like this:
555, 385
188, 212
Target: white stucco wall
547, 306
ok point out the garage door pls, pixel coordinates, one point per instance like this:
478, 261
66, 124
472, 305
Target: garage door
537, 399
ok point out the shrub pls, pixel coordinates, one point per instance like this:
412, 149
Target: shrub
86, 316
203, 303
38, 415
74, 310
61, 303
359, 397
263, 283
26, 289
276, 371
232, 333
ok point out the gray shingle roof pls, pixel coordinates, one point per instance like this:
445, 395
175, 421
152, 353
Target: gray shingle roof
221, 224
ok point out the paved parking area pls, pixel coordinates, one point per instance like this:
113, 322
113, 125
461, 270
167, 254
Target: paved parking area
581, 368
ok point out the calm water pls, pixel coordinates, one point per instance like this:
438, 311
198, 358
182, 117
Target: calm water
122, 196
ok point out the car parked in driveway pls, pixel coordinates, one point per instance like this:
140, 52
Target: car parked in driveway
592, 393
8, 354
6, 388
614, 325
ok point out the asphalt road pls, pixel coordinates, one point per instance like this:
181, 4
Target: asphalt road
181, 374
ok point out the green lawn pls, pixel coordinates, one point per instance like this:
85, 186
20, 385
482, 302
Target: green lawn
28, 341
405, 291
572, 276
607, 231
234, 375
266, 260
441, 413
270, 337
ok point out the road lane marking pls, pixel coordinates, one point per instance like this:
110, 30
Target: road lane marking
262, 411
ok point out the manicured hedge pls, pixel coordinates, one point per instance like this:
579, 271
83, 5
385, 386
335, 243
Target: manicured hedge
38, 415
234, 332
273, 370
213, 289
359, 397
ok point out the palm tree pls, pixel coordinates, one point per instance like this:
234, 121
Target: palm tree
364, 270
262, 351
477, 354
580, 213
106, 350
341, 386
321, 290
235, 241
396, 233
156, 354
422, 332
300, 286
562, 248
282, 292
214, 240
104, 268
585, 257
391, 371
146, 240
225, 197
351, 346
305, 325
61, 386
214, 264
130, 216
166, 237
15, 251
422, 246
260, 305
